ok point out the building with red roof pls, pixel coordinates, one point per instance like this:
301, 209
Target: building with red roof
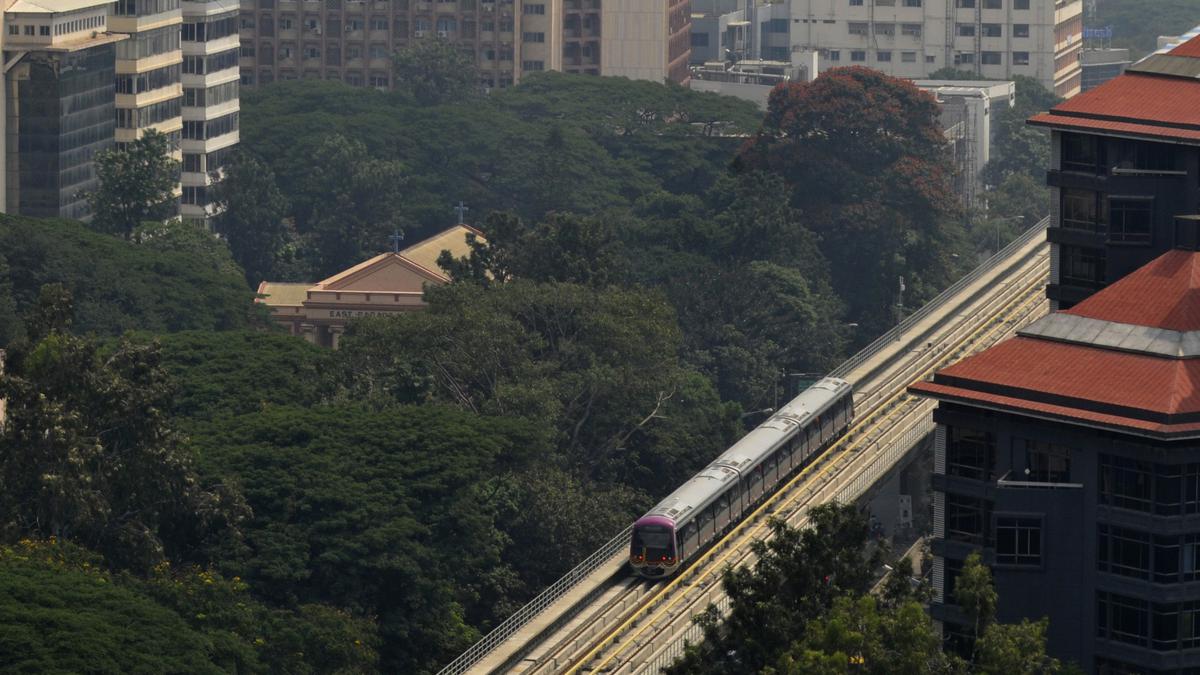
1070, 456
1125, 163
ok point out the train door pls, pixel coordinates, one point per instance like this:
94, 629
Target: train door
704, 523
723, 515
771, 473
687, 539
756, 483
737, 499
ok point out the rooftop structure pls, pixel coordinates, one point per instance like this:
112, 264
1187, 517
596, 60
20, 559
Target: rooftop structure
1125, 163
388, 283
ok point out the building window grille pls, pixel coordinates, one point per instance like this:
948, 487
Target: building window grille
964, 58
912, 3
1018, 541
908, 57
856, 3
538, 9
969, 453
858, 28
883, 57
533, 65
858, 55
911, 29
888, 29
833, 55
534, 37
1130, 219
1122, 618
965, 30
885, 3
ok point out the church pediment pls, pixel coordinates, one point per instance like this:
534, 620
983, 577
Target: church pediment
389, 272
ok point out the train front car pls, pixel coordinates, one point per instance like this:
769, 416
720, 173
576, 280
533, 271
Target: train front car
652, 548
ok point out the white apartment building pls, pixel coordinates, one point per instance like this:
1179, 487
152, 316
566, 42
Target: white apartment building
210, 99
995, 39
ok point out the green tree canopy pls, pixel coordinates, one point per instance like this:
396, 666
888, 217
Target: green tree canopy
119, 285
252, 215
861, 154
87, 454
433, 71
137, 184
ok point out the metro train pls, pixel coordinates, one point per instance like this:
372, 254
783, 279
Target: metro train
695, 514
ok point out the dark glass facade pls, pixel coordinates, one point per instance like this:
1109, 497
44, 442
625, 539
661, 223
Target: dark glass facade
61, 116
1117, 203
1098, 530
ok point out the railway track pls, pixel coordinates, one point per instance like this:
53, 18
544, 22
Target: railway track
616, 623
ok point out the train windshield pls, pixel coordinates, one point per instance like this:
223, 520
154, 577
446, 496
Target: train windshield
655, 540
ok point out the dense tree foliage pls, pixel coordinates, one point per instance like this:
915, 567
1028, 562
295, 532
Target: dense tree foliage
433, 71
119, 285
807, 606
1137, 25
251, 217
63, 612
87, 453
137, 184
862, 156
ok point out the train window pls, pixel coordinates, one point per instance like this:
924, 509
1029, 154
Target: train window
723, 503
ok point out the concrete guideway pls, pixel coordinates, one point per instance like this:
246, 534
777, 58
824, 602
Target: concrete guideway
602, 619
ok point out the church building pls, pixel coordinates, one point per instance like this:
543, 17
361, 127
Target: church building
386, 284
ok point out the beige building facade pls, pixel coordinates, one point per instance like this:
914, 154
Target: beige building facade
353, 40
387, 284
996, 39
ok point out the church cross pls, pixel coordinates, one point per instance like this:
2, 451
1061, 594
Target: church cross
396, 237
461, 211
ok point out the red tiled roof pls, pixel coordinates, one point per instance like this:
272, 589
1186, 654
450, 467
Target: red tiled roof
1191, 49
1049, 410
1127, 128
1075, 375
1139, 104
1143, 392
1164, 293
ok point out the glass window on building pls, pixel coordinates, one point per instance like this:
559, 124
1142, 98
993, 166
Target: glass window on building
1020, 58
991, 58
969, 453
883, 56
1123, 551
966, 519
908, 57
993, 30
1082, 210
912, 3
1144, 156
965, 30
1046, 462
1020, 30
1122, 618
888, 29
1020, 4
1130, 219
1125, 483
858, 55
911, 29
1018, 541
1080, 153
1080, 266
858, 28
833, 55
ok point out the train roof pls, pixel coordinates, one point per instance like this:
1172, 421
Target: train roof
704, 487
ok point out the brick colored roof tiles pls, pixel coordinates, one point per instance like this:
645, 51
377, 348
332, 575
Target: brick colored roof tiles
1136, 103
1141, 392
1164, 293
1191, 49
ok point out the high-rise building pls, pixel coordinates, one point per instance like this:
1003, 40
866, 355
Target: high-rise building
995, 39
58, 104
1124, 164
210, 100
149, 89
353, 40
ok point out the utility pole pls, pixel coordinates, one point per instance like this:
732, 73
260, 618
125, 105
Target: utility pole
900, 311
